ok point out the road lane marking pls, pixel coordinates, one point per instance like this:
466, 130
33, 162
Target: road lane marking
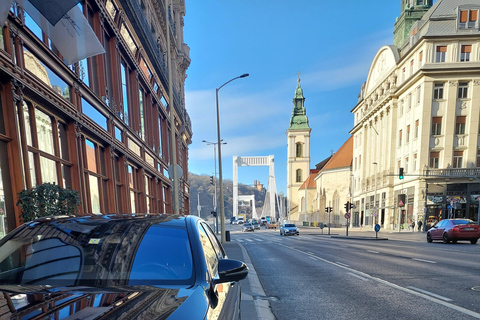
373, 251
310, 252
313, 258
343, 264
430, 294
358, 277
422, 260
398, 287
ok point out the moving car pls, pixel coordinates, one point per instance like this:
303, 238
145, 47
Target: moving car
255, 225
453, 230
271, 225
248, 227
118, 266
288, 229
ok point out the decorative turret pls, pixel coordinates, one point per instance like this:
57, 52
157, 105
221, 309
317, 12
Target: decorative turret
299, 118
410, 12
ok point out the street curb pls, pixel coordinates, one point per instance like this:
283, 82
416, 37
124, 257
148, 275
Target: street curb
262, 306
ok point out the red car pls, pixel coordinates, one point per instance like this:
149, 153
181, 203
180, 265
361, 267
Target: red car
453, 230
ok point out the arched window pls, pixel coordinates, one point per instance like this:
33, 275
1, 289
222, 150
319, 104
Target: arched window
299, 150
299, 175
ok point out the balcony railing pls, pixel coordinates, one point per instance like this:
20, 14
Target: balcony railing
453, 172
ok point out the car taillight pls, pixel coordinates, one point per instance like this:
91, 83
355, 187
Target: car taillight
456, 229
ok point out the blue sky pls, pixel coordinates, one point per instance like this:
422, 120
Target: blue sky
331, 43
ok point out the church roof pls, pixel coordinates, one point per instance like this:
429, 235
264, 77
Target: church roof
310, 182
343, 157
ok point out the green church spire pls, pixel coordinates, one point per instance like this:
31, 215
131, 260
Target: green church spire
299, 118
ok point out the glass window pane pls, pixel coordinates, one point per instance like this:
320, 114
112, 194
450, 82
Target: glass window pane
94, 114
94, 194
91, 156
28, 128
44, 132
48, 169
132, 201
31, 164
83, 69
118, 134
62, 137
67, 178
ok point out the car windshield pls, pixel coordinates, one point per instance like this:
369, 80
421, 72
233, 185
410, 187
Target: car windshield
462, 221
288, 225
103, 254
247, 225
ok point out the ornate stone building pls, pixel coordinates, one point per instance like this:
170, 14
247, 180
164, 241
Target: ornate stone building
95, 121
419, 110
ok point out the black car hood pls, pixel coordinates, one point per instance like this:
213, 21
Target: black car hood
82, 303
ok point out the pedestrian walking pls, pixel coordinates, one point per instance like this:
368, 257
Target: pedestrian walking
413, 225
420, 225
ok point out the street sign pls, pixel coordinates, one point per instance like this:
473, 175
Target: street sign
347, 215
377, 227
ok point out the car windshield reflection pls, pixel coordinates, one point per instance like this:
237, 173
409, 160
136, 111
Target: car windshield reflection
100, 253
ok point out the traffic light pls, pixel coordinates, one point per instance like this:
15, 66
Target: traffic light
211, 180
400, 173
214, 213
326, 209
347, 206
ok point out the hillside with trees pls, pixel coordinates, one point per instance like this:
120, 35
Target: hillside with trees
200, 186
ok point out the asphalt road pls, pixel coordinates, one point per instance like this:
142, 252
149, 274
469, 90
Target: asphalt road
315, 276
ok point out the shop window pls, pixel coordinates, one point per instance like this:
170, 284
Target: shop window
95, 176
134, 191
149, 183
46, 142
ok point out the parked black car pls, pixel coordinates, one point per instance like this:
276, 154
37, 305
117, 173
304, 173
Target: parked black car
118, 267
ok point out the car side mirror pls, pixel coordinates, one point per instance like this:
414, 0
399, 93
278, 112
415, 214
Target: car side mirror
231, 270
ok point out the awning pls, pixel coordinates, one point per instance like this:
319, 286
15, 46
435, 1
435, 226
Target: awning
71, 35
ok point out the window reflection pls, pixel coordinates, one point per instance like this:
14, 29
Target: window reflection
94, 194
49, 170
44, 132
91, 161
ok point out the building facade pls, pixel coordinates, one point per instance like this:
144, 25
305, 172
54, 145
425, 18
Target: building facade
419, 110
100, 125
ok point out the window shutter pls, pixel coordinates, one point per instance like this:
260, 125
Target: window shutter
473, 15
461, 119
437, 120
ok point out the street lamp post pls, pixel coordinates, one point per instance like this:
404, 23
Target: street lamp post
215, 178
220, 176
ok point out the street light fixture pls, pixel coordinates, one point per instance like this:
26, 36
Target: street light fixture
220, 176
215, 178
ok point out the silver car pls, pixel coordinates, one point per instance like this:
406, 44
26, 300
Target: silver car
288, 229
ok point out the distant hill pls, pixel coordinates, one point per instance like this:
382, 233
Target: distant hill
200, 185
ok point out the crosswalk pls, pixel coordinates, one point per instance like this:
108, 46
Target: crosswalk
257, 240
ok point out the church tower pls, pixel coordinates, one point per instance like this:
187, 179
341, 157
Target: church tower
298, 149
410, 12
